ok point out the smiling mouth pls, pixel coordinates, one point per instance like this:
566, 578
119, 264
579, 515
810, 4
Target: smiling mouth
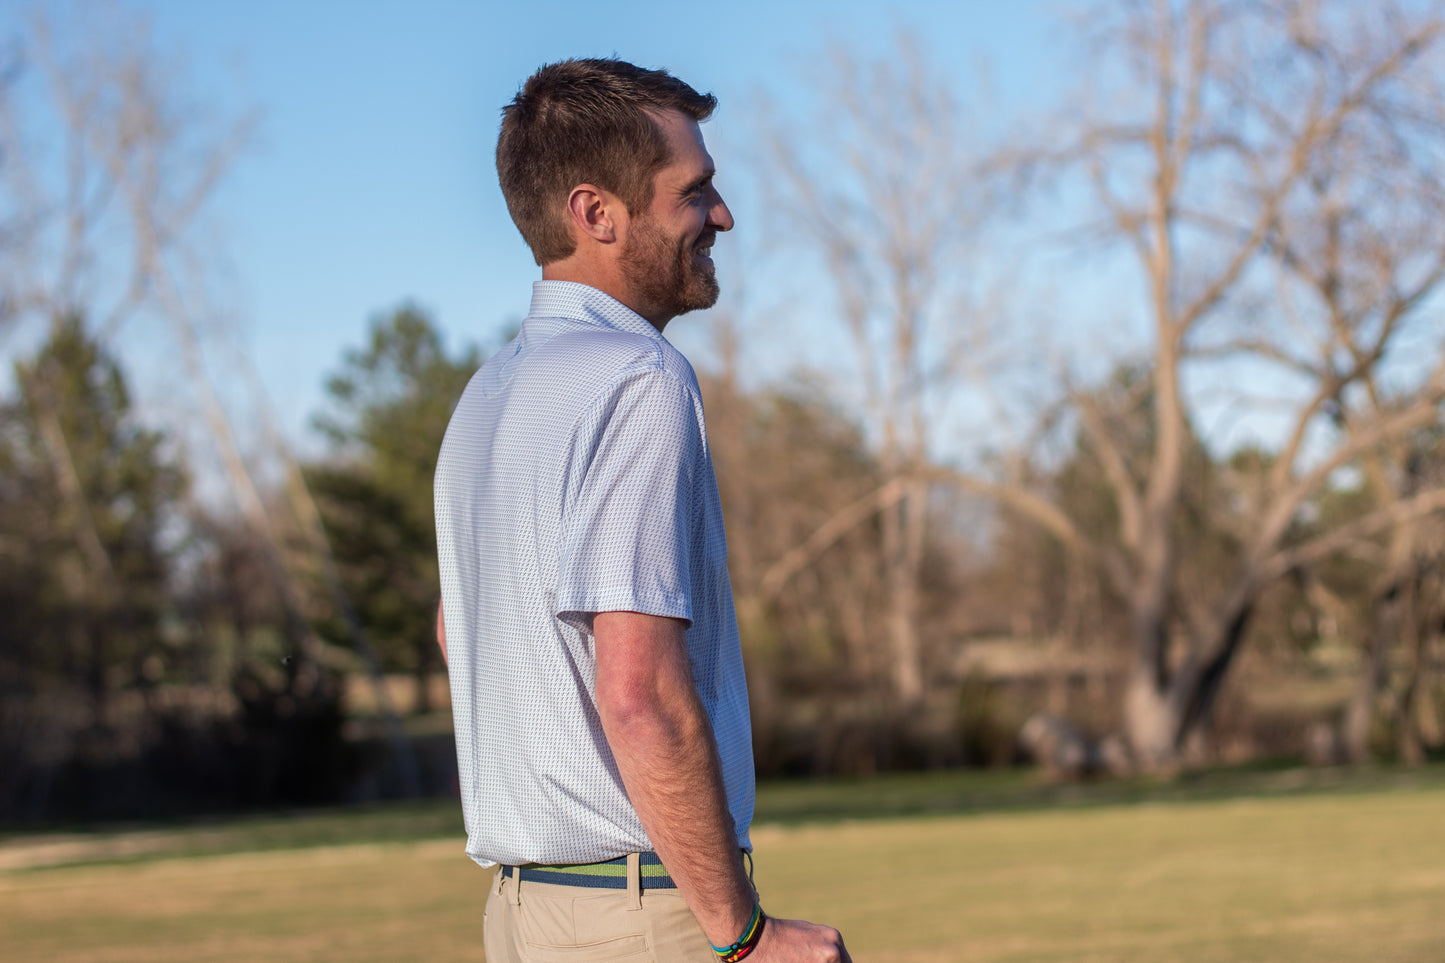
703, 252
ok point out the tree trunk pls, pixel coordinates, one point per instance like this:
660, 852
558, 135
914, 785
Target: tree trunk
1409, 742
1151, 717
1374, 668
903, 526
1168, 712
1150, 721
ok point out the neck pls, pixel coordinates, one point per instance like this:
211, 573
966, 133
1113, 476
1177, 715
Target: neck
609, 282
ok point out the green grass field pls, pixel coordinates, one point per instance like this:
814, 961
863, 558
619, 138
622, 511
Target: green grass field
1280, 868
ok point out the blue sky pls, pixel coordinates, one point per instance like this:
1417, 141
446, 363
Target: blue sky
370, 180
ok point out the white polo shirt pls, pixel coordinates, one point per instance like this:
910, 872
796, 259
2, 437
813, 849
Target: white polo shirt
575, 478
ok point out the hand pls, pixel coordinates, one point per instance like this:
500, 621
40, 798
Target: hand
796, 941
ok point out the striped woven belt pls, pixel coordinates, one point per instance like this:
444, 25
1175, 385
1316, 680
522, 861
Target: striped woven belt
611, 874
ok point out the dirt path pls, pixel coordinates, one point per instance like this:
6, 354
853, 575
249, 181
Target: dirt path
33, 852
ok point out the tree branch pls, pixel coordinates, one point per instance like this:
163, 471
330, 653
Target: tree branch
1421, 412
1342, 538
826, 535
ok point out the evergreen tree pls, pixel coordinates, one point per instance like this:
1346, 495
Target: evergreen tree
86, 493
392, 403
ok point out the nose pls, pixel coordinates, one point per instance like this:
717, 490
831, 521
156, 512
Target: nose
718, 215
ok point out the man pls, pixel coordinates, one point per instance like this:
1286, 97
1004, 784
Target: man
601, 710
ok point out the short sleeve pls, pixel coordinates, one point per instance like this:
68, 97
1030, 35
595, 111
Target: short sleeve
626, 528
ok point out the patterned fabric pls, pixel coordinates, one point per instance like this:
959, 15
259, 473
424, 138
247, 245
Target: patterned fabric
575, 478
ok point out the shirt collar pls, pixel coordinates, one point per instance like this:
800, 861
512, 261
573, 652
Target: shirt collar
582, 302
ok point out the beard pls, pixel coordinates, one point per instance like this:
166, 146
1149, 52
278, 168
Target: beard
661, 272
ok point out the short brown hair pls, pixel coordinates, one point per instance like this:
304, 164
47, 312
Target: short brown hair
585, 121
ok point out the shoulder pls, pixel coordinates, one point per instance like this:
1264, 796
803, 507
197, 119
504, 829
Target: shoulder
608, 366
640, 411
622, 355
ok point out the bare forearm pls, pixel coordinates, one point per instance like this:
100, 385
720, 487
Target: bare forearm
662, 740
670, 769
663, 743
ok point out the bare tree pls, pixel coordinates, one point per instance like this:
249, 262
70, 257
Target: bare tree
118, 239
106, 176
1362, 250
75, 121
1236, 140
874, 183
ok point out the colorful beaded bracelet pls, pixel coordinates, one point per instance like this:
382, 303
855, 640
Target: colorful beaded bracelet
747, 942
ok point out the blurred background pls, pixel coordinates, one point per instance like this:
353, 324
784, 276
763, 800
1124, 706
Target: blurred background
1075, 392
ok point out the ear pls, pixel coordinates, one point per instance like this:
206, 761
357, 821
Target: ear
598, 214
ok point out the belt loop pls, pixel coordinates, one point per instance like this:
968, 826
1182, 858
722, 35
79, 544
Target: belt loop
516, 875
634, 881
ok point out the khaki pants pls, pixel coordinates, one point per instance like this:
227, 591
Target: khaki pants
531, 922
